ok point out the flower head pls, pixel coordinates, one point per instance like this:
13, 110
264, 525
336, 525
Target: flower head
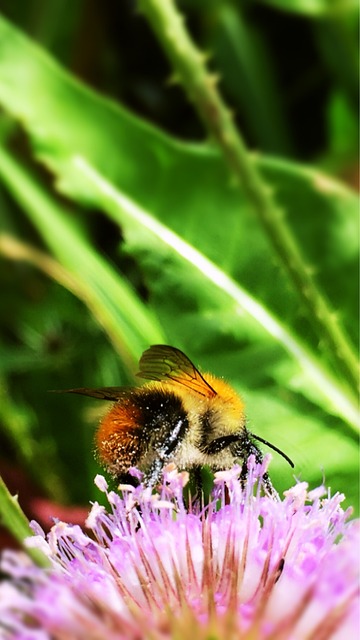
244, 566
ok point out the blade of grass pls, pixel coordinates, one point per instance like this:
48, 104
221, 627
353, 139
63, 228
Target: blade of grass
13, 518
247, 75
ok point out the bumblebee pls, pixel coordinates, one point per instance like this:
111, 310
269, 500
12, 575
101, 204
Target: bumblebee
180, 416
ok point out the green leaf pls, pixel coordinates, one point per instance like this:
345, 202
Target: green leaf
159, 249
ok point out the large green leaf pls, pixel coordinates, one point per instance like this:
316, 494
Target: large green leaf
211, 272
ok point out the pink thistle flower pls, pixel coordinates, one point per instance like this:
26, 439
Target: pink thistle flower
247, 565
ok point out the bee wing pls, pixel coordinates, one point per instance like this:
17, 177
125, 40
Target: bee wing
103, 393
164, 363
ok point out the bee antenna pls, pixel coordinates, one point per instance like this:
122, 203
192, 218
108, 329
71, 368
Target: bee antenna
275, 449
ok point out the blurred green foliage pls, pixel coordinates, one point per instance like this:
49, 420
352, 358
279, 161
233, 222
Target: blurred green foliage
120, 226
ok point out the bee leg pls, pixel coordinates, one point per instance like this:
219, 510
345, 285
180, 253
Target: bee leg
152, 476
196, 482
164, 453
246, 449
243, 447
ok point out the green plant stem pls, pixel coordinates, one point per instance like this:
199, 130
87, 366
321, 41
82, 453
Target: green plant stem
201, 87
13, 518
